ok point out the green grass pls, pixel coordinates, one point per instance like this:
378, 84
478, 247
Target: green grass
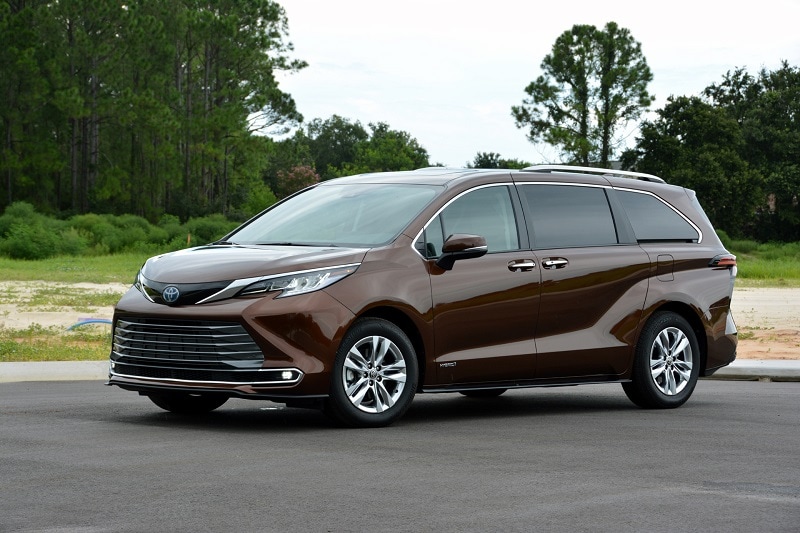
767, 264
36, 343
120, 268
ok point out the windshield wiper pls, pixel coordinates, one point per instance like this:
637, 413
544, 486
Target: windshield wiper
223, 243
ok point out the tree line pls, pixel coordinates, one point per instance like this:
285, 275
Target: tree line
173, 108
148, 106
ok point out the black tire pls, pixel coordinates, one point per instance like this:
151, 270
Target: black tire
483, 393
666, 363
187, 404
374, 375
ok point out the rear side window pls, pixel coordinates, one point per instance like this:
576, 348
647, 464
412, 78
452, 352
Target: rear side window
565, 216
655, 221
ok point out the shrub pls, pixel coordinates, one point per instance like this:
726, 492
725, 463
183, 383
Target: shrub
726, 240
18, 212
72, 242
743, 246
208, 229
30, 241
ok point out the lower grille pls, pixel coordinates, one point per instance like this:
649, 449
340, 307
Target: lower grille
184, 340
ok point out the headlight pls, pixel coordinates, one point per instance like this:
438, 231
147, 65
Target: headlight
299, 282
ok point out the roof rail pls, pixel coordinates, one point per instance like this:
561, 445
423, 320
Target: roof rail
598, 171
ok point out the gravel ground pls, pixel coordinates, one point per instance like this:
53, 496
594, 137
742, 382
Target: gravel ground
768, 318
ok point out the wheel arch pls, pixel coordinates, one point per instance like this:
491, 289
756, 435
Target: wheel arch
691, 316
405, 323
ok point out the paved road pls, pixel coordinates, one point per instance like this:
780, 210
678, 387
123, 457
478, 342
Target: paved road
79, 456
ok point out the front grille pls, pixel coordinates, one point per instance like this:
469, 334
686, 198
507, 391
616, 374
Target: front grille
186, 341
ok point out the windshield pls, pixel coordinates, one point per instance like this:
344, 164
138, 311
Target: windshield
358, 215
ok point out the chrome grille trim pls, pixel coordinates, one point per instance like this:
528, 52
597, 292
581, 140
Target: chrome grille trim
297, 375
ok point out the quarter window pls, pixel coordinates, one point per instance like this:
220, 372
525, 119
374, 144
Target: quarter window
565, 216
654, 221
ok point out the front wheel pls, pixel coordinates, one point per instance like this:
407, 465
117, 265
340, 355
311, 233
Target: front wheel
374, 375
666, 365
185, 403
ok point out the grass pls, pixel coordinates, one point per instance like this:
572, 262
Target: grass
49, 298
767, 264
37, 343
119, 268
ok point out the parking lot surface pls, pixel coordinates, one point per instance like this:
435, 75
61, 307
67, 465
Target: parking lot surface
79, 456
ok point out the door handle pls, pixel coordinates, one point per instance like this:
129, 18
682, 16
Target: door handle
554, 262
522, 265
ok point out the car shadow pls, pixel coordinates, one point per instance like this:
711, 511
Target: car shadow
249, 416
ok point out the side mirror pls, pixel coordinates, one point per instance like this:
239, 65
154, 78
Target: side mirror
461, 246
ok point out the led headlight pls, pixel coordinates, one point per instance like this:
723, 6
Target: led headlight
299, 282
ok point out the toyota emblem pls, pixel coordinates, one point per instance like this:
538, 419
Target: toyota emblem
171, 294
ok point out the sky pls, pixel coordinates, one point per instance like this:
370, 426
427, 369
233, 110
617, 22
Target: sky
448, 72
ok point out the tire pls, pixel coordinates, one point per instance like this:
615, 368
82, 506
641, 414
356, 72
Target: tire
483, 393
185, 403
666, 363
374, 375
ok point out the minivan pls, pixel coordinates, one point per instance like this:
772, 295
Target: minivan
357, 293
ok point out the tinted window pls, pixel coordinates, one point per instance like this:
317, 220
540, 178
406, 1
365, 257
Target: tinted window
653, 220
487, 212
566, 216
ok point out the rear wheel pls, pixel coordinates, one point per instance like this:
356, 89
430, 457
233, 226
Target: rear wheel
374, 375
187, 404
666, 365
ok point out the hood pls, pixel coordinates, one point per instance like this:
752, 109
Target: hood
206, 264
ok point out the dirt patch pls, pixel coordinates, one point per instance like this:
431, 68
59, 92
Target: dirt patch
22, 303
768, 319
769, 323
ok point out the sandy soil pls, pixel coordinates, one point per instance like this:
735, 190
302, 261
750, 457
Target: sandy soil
768, 319
15, 314
769, 323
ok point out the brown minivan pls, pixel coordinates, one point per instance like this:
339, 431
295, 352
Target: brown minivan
356, 294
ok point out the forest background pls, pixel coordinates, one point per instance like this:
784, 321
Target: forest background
154, 125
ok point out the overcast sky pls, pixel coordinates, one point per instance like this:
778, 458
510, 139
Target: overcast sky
448, 72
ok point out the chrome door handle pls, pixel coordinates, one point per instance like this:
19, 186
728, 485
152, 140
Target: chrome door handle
554, 263
523, 265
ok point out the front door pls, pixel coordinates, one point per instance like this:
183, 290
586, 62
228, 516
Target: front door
485, 308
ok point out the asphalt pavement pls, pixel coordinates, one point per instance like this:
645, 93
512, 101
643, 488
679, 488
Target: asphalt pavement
81, 457
741, 369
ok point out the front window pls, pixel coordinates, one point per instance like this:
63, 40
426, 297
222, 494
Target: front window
486, 211
357, 215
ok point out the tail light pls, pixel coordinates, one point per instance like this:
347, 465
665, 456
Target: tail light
723, 261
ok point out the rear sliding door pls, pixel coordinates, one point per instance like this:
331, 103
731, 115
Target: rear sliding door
594, 282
